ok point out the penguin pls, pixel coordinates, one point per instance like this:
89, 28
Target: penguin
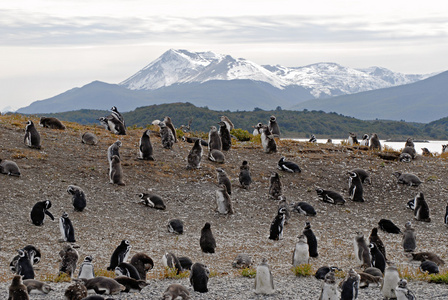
407, 179
311, 240
33, 254
301, 254
176, 226
192, 140
273, 126
374, 238
445, 219
195, 156
38, 212
52, 123
276, 229
69, 259
355, 190
128, 270
288, 166
120, 254
114, 149
388, 226
24, 266
170, 125
116, 171
409, 143
373, 271
409, 241
257, 129
117, 115
330, 196
410, 151
366, 279
405, 157
352, 140
429, 266
145, 150
9, 168
362, 253
166, 135
242, 261
264, 281
363, 175
79, 198
171, 261
224, 180
350, 286
207, 240
226, 139
176, 291
390, 282
444, 148
86, 269
185, 262
32, 137
214, 140
378, 260
244, 176
75, 291
131, 284
216, 156
199, 277
66, 228
267, 140
17, 290
36, 286
89, 138
152, 200
329, 289
322, 271
228, 123
223, 202
282, 202
329, 141
422, 256
426, 152
312, 139
421, 210
275, 187
304, 208
113, 124
375, 143
143, 263
104, 285
365, 140
402, 292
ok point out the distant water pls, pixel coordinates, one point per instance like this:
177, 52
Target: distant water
433, 146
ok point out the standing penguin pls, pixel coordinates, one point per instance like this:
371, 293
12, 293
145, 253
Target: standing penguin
199, 277
374, 238
301, 254
273, 126
223, 203
409, 241
276, 230
24, 265
166, 135
362, 253
66, 228
311, 239
421, 210
229, 123
365, 140
32, 137
244, 177
267, 140
116, 171
34, 256
113, 149
363, 175
79, 198
390, 282
195, 156
355, 189
375, 143
120, 254
38, 212
214, 140
171, 261
350, 286
264, 282
17, 290
207, 240
352, 140
312, 139
224, 133
69, 259
118, 115
329, 288
445, 219
275, 187
86, 269
223, 179
145, 150
378, 260
9, 167
170, 125
402, 292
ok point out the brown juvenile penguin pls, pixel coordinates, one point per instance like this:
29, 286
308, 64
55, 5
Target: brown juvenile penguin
17, 290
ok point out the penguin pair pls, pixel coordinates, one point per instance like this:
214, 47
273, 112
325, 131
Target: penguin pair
352, 139
113, 124
24, 265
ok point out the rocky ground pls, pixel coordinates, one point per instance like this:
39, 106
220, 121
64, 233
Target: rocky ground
113, 212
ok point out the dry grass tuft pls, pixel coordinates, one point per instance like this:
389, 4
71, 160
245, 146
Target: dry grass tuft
303, 270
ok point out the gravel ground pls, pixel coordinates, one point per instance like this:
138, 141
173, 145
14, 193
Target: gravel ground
113, 212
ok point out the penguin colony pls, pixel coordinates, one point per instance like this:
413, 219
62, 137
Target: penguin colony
200, 273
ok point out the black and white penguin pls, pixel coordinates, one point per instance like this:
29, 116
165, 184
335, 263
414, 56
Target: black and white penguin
264, 281
226, 139
352, 140
37, 287
288, 166
430, 267
421, 210
378, 260
310, 239
402, 292
117, 115
363, 175
355, 190
405, 157
171, 261
34, 256
267, 140
409, 240
116, 171
217, 156
324, 270
9, 167
152, 200
362, 253
214, 140
170, 125
79, 198
86, 269
407, 179
52, 123
192, 140
113, 124
114, 149
390, 282
185, 262
312, 139
223, 179
69, 259
301, 254
143, 263
350, 286
223, 202
282, 202
229, 123
374, 238
89, 138
375, 143
275, 186
145, 150
273, 126
176, 226
207, 240
166, 135
257, 129
388, 226
409, 143
242, 261
445, 219
38, 212
176, 291
195, 156
329, 288
66, 228
199, 277
304, 208
365, 140
17, 290
128, 270
24, 265
330, 196
131, 284
276, 229
32, 137
244, 176
120, 254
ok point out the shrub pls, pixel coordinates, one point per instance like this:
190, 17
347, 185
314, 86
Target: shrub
303, 270
249, 272
240, 134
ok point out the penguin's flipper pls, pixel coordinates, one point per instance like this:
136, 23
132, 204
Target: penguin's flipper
49, 214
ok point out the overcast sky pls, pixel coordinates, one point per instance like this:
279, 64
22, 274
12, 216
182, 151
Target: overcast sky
48, 47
